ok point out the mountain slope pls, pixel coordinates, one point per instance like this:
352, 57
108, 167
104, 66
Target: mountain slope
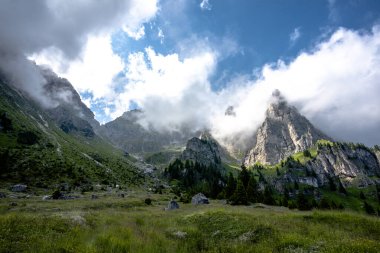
35, 150
126, 133
283, 133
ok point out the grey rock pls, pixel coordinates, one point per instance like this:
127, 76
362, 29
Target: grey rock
283, 133
13, 204
199, 199
352, 164
2, 195
47, 197
172, 205
204, 150
19, 188
93, 196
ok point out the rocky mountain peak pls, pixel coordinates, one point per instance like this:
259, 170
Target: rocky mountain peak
203, 150
284, 132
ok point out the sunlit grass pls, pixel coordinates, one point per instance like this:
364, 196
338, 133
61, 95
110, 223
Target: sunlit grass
111, 224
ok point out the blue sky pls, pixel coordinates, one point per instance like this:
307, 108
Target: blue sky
186, 61
261, 29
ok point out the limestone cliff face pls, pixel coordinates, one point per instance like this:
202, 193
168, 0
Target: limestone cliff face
352, 164
204, 150
284, 132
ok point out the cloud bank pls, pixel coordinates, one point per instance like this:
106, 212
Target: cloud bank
336, 85
61, 28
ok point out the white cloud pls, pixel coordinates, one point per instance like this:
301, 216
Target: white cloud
336, 86
295, 35
95, 67
93, 71
161, 35
340, 96
136, 33
171, 91
205, 5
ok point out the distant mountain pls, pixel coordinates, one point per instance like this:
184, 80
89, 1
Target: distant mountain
126, 133
284, 132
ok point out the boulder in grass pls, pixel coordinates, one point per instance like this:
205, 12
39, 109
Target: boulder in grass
172, 205
19, 188
199, 199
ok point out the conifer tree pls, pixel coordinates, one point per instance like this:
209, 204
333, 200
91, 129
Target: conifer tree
231, 186
252, 190
268, 196
244, 176
240, 195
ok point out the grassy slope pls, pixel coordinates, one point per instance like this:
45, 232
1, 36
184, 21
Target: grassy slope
112, 224
56, 157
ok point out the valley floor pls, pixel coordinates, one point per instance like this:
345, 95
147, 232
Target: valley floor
115, 224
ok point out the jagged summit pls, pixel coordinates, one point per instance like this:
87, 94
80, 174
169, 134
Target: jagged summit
284, 132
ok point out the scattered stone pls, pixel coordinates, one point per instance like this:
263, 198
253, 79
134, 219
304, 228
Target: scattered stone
2, 195
93, 196
148, 201
180, 234
199, 199
46, 197
121, 195
13, 204
172, 205
19, 188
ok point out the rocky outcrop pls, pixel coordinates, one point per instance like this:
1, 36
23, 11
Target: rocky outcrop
283, 133
352, 164
172, 205
199, 199
19, 188
69, 112
204, 150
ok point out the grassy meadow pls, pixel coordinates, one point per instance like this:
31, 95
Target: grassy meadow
115, 224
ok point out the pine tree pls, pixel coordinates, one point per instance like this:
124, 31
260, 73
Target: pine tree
368, 208
302, 203
285, 198
341, 188
252, 190
268, 196
231, 186
332, 184
240, 195
244, 176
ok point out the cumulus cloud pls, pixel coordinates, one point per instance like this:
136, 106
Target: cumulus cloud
295, 35
336, 85
205, 5
63, 27
93, 70
171, 91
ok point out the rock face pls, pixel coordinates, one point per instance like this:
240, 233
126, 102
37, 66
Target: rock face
172, 205
70, 113
283, 133
199, 199
352, 164
19, 188
203, 150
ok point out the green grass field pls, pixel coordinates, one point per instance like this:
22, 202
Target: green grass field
113, 224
